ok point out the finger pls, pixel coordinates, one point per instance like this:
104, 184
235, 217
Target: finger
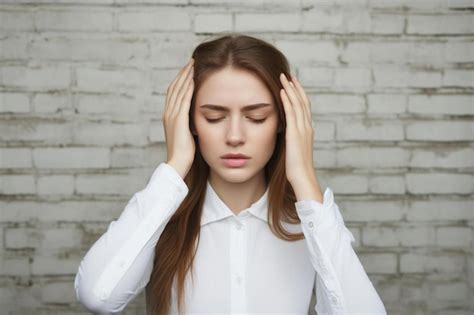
182, 91
173, 83
178, 82
289, 113
303, 95
301, 105
291, 93
188, 96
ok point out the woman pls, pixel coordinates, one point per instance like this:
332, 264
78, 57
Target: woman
215, 233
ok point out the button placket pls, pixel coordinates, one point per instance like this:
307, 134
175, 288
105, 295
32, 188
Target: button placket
238, 252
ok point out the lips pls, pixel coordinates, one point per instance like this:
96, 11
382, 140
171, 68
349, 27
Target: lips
235, 156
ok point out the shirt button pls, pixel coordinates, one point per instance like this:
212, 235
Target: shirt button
310, 224
103, 295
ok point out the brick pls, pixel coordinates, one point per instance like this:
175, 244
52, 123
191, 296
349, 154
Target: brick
440, 131
107, 184
267, 22
12, 48
470, 269
371, 210
357, 21
41, 239
442, 158
209, 23
353, 78
459, 51
53, 264
389, 292
454, 236
356, 52
16, 20
387, 24
457, 291
35, 131
416, 236
458, 78
316, 76
369, 130
440, 210
78, 211
71, 158
166, 53
439, 183
439, 24
387, 184
74, 20
441, 104
58, 292
55, 185
349, 184
372, 157
324, 130
398, 77
169, 20
14, 103
324, 159
379, 237
448, 263
250, 3
304, 52
108, 50
46, 78
379, 263
15, 158
386, 103
17, 184
14, 266
345, 104
109, 80
138, 157
120, 108
327, 21
51, 103
102, 134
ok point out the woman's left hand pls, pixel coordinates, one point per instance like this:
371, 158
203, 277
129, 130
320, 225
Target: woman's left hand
299, 133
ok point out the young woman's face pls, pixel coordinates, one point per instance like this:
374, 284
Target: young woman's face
228, 127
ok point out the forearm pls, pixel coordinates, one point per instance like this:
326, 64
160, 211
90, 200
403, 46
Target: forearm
308, 188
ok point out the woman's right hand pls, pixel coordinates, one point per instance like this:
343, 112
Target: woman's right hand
179, 140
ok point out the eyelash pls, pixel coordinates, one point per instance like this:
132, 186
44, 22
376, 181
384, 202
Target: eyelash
257, 121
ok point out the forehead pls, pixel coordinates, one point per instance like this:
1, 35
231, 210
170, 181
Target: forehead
233, 88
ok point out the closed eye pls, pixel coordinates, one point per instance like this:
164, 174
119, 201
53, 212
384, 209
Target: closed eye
257, 121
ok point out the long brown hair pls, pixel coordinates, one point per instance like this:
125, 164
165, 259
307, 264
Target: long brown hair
178, 243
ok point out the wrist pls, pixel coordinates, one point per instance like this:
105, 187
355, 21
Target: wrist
179, 169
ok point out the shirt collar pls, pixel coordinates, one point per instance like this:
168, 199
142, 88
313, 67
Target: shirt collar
215, 209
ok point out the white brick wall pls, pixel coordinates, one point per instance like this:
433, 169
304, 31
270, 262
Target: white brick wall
82, 86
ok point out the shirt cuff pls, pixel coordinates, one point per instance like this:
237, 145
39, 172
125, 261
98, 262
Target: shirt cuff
314, 212
166, 183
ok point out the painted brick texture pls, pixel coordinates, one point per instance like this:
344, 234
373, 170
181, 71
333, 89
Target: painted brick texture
391, 82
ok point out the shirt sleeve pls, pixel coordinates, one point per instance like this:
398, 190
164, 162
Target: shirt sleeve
119, 264
342, 285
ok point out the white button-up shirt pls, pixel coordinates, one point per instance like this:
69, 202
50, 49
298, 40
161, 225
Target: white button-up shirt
241, 267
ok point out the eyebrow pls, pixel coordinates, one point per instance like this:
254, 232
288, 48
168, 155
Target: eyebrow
244, 109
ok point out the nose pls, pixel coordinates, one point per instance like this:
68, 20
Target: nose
235, 134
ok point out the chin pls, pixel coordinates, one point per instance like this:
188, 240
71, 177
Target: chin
233, 174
